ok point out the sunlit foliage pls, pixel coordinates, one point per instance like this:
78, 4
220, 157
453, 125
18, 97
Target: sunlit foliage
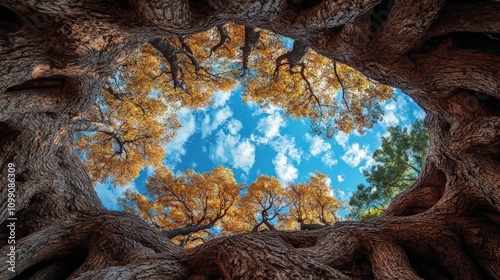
398, 163
140, 101
195, 202
143, 121
313, 202
333, 96
264, 205
191, 208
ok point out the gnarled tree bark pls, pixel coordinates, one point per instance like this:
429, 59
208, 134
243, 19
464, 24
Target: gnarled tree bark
55, 55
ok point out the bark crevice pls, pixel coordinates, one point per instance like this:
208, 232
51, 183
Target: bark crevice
443, 54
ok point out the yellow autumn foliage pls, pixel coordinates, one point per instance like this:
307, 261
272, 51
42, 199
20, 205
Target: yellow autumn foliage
189, 199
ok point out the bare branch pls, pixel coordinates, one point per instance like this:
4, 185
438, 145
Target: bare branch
251, 39
341, 86
270, 226
295, 57
185, 230
224, 37
86, 125
189, 53
170, 53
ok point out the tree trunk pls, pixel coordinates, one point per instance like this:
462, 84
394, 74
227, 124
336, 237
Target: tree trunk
90, 126
54, 56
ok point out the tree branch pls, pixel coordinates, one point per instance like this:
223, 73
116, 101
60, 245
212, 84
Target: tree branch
251, 39
447, 68
389, 261
423, 194
224, 37
189, 53
169, 52
89, 126
269, 225
295, 57
341, 86
185, 230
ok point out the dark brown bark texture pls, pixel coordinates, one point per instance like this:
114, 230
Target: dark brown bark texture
55, 55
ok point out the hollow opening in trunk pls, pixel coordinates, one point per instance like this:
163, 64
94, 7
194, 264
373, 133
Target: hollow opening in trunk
43, 83
7, 134
428, 269
360, 269
379, 16
7, 15
298, 242
201, 7
305, 4
60, 267
483, 42
9, 21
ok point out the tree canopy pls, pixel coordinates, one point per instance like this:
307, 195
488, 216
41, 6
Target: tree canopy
192, 208
187, 206
398, 162
136, 114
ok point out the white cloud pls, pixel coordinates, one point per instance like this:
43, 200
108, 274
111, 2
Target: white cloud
109, 195
342, 138
284, 168
174, 150
419, 114
205, 124
341, 178
230, 149
328, 181
328, 159
234, 126
318, 145
243, 177
150, 171
341, 194
219, 118
259, 110
286, 146
268, 133
355, 155
390, 118
369, 162
397, 112
270, 127
220, 98
243, 156
222, 115
223, 145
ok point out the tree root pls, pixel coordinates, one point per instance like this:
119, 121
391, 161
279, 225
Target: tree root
390, 244
106, 240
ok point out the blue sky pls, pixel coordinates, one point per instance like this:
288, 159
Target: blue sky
254, 141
